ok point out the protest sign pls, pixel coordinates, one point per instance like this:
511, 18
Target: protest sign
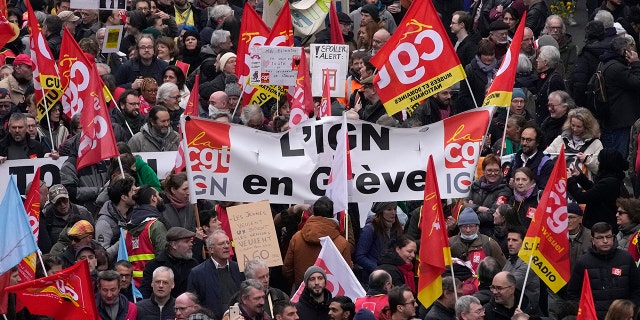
270, 65
335, 58
112, 39
254, 234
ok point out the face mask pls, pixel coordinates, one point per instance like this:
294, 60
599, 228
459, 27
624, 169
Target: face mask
470, 238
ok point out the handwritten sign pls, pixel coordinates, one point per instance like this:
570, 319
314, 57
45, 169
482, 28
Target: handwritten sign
254, 234
335, 58
270, 65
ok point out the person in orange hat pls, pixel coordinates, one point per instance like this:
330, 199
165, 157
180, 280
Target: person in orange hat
81, 235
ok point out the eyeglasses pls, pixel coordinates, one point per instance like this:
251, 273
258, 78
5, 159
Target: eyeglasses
146, 47
77, 238
621, 212
176, 97
492, 171
176, 309
468, 226
498, 288
527, 140
608, 237
412, 302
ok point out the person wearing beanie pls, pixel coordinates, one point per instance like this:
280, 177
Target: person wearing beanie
472, 246
376, 234
373, 10
190, 50
579, 235
499, 35
227, 68
315, 298
364, 314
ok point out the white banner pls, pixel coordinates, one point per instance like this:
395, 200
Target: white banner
161, 162
237, 163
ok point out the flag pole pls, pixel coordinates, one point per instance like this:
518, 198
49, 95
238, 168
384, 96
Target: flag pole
122, 112
455, 290
239, 100
471, 92
504, 133
526, 275
44, 270
120, 163
46, 106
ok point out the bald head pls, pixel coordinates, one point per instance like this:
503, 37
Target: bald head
379, 39
186, 304
219, 99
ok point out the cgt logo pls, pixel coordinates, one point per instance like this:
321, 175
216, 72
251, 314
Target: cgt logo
333, 284
209, 146
463, 140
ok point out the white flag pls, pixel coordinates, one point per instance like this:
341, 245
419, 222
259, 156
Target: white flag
340, 278
337, 188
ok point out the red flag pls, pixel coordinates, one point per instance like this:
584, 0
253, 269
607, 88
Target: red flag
633, 247
183, 66
27, 267
282, 31
499, 93
46, 81
96, 140
302, 100
435, 253
6, 30
418, 61
5, 281
586, 308
547, 238
3, 7
67, 294
334, 25
190, 110
325, 104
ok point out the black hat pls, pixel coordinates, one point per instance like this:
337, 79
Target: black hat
574, 208
343, 17
498, 25
372, 10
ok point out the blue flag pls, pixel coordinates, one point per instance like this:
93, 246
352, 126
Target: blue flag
16, 238
123, 255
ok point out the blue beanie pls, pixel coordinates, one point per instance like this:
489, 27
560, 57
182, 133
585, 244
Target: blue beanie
518, 93
468, 216
364, 314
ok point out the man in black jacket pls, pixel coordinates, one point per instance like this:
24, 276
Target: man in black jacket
531, 156
17, 144
537, 13
612, 272
315, 298
444, 307
161, 304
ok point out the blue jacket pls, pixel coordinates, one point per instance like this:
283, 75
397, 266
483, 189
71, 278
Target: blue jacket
369, 248
203, 281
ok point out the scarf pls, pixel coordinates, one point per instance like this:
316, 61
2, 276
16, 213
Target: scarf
407, 272
521, 196
488, 70
175, 202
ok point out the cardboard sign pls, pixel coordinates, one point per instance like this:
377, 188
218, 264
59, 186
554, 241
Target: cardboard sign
254, 234
335, 58
271, 65
112, 39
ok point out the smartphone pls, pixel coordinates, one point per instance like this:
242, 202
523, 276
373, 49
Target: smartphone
234, 312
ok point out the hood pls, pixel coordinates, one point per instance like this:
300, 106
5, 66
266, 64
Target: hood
317, 227
207, 50
141, 213
109, 210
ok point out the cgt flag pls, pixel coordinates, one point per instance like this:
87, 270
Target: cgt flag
302, 100
499, 93
191, 110
27, 267
435, 253
45, 73
340, 279
418, 61
547, 240
67, 294
586, 308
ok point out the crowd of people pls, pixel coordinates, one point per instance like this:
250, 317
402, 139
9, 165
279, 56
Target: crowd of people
181, 257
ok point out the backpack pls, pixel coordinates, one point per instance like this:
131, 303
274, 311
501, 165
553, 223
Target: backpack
597, 93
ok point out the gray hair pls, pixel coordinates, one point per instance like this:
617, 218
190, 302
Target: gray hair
220, 11
104, 65
209, 241
247, 285
524, 64
251, 111
164, 91
551, 55
251, 266
464, 305
219, 36
552, 17
18, 116
605, 17
163, 269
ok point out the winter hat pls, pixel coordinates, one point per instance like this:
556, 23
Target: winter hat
379, 206
372, 10
23, 59
225, 57
81, 228
498, 25
231, 88
612, 161
311, 270
574, 208
547, 40
364, 314
5, 96
343, 17
468, 216
190, 33
518, 93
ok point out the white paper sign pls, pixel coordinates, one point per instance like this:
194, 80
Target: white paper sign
271, 65
334, 57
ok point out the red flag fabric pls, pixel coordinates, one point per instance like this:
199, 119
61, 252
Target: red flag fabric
302, 99
334, 25
282, 31
96, 140
183, 66
6, 30
46, 81
27, 267
190, 110
586, 308
499, 93
547, 238
67, 294
418, 61
325, 104
435, 253
70, 52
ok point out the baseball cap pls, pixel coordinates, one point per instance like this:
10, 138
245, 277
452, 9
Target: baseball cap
57, 192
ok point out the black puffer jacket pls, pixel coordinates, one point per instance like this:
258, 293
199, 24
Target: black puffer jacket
622, 82
309, 309
487, 195
584, 67
613, 275
389, 261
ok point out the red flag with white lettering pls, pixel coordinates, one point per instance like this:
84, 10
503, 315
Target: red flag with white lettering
418, 61
67, 294
547, 238
325, 104
190, 110
96, 139
302, 101
27, 267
